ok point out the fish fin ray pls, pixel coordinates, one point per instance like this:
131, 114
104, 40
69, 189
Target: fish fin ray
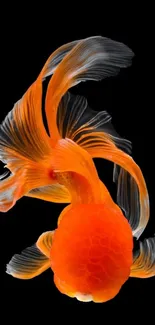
53, 193
144, 260
77, 121
29, 264
11, 189
55, 58
25, 146
127, 196
44, 242
100, 148
93, 58
22, 133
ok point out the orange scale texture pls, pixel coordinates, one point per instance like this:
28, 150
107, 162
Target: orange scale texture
92, 251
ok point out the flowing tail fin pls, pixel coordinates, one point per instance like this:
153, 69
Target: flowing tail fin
93, 58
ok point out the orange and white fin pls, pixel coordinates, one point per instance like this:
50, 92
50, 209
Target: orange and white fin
25, 148
55, 58
22, 133
128, 197
27, 177
33, 260
77, 121
136, 195
11, 189
92, 58
144, 260
27, 265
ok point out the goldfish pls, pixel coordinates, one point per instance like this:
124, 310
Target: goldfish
58, 166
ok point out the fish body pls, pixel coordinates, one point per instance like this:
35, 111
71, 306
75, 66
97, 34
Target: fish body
91, 254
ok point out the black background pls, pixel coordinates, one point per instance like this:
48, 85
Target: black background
26, 43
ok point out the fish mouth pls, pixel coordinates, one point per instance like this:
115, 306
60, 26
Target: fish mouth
84, 297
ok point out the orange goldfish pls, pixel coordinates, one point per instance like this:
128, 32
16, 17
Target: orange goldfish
59, 168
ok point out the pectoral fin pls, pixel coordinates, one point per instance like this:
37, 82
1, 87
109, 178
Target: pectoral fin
33, 260
27, 265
